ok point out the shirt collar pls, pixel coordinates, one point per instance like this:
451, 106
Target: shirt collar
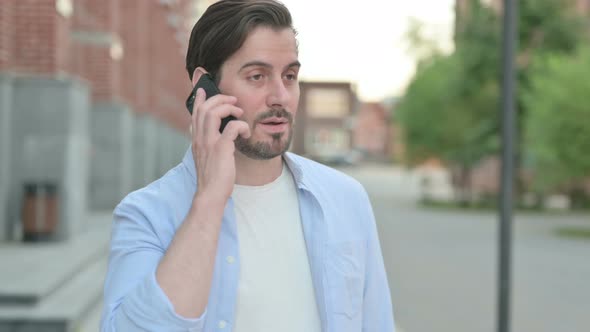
296, 169
290, 158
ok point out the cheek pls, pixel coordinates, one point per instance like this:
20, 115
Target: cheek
295, 98
250, 103
249, 108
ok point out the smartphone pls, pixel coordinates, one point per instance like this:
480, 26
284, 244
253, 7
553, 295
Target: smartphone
208, 84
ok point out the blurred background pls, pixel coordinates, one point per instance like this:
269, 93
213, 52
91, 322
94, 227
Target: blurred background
404, 96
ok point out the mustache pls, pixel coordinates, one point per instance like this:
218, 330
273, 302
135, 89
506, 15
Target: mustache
275, 112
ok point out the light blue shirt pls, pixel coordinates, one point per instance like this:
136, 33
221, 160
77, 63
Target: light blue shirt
343, 250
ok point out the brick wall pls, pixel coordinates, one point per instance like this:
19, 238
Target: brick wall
6, 34
169, 82
153, 35
94, 37
372, 130
37, 41
132, 12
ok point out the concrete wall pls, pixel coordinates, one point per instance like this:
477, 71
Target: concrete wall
95, 154
172, 145
112, 154
179, 144
129, 151
50, 144
5, 149
144, 150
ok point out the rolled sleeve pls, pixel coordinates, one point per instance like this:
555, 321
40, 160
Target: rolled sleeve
147, 308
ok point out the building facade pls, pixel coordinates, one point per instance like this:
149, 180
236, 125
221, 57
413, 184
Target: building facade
91, 101
373, 132
323, 129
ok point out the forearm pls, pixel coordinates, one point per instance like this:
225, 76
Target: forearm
186, 270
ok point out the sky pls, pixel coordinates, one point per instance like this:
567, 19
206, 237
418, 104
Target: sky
364, 41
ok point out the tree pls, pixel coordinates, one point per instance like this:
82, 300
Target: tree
451, 108
558, 122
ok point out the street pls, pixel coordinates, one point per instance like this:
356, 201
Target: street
442, 263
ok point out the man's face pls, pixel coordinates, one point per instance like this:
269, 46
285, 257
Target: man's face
262, 75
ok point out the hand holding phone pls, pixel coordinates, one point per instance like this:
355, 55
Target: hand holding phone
214, 153
208, 84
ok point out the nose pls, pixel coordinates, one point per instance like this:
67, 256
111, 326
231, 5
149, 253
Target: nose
279, 93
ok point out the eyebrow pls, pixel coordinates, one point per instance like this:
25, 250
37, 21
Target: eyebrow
267, 65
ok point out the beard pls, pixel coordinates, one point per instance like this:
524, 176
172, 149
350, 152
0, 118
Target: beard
263, 150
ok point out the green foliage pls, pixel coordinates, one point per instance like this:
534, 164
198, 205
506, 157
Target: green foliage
451, 108
478, 41
546, 27
442, 119
580, 233
424, 108
558, 122
549, 25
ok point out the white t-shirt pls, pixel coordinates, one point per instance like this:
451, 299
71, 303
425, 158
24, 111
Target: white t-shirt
275, 290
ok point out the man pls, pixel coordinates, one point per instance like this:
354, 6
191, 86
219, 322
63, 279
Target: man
242, 235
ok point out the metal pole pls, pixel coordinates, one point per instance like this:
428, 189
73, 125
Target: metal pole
507, 178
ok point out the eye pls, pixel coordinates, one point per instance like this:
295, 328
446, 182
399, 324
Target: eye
256, 77
291, 77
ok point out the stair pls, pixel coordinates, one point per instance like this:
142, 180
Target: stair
52, 287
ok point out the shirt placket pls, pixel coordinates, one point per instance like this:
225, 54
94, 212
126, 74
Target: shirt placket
314, 230
228, 263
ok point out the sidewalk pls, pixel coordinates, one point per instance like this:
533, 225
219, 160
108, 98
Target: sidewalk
56, 286
53, 286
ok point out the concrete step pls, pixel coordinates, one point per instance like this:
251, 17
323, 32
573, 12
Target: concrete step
31, 271
54, 287
91, 322
64, 309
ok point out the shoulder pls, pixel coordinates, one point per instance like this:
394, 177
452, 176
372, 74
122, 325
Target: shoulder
345, 205
156, 192
321, 178
160, 206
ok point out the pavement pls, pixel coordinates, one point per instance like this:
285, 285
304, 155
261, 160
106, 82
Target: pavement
442, 264
54, 286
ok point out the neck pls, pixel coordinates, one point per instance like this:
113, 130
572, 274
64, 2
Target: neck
252, 172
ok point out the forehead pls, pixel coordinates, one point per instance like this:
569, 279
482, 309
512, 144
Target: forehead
276, 47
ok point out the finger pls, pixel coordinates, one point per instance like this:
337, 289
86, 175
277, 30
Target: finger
199, 100
220, 99
209, 105
201, 97
212, 120
234, 129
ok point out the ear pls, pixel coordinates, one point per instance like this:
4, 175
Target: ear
199, 71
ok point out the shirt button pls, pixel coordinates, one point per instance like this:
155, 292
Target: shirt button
222, 324
230, 259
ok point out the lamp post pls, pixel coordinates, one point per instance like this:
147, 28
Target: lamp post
507, 177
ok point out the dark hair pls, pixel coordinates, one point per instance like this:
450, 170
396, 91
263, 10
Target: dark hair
223, 28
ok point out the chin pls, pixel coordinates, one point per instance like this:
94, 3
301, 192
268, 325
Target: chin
264, 149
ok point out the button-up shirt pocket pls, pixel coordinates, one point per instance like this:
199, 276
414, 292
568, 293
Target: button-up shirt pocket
345, 267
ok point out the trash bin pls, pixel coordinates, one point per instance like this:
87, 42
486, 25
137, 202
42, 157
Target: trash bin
40, 211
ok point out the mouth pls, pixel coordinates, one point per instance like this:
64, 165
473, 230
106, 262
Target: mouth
274, 121
274, 124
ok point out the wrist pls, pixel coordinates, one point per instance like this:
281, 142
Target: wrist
207, 210
209, 204
209, 199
